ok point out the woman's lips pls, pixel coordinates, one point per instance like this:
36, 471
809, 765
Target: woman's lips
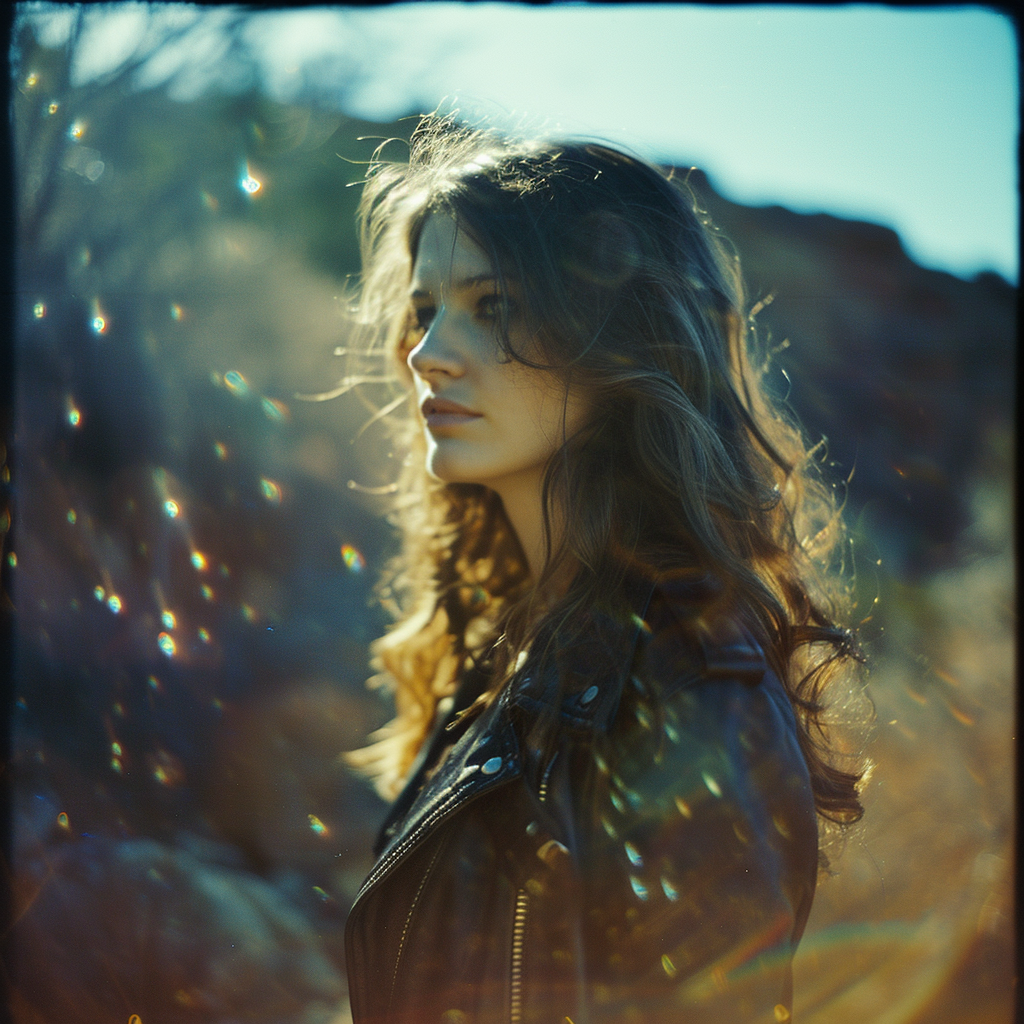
442, 412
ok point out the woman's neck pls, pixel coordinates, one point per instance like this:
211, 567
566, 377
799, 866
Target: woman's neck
524, 509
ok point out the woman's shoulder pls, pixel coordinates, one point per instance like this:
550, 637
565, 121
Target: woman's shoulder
691, 634
665, 664
695, 819
703, 709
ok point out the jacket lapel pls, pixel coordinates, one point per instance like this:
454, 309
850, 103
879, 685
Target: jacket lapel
583, 686
486, 756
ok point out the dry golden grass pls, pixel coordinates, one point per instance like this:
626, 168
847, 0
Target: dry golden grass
917, 925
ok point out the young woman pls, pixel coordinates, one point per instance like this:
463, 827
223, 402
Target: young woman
615, 625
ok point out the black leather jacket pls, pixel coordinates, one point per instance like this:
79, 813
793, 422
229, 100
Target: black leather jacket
655, 863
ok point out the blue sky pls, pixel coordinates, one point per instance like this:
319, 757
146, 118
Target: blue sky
904, 116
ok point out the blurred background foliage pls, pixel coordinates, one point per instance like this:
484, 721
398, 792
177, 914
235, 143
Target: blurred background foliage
192, 551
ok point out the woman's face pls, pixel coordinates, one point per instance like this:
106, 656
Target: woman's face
487, 419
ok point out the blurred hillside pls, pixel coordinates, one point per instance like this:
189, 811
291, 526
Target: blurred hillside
192, 571
907, 372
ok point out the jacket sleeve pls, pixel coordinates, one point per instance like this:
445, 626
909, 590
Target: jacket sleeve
693, 832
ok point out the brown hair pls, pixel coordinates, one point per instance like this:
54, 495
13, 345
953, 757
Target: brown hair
631, 293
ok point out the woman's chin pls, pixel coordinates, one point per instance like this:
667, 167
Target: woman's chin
445, 462
451, 473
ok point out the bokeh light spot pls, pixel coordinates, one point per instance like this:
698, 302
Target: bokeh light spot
72, 516
77, 130
960, 715
271, 491
711, 783
273, 409
203, 635
99, 321
352, 558
74, 415
12, 559
116, 748
32, 80
248, 613
199, 560
62, 821
39, 310
176, 311
220, 450
168, 619
114, 603
134, 1019
236, 383
99, 593
638, 887
155, 684
166, 644
53, 108
166, 768
248, 184
207, 592
171, 509
317, 825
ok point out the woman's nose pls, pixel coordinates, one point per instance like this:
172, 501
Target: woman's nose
436, 354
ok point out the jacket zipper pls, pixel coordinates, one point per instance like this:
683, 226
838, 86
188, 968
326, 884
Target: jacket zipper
515, 1014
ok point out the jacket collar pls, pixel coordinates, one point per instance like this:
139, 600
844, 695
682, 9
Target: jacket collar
485, 756
582, 686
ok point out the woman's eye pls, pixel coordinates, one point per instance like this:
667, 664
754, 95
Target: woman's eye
488, 307
491, 307
417, 323
422, 317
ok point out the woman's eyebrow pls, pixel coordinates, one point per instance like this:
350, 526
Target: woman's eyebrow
464, 284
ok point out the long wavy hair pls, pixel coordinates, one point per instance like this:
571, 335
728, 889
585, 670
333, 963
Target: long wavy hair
626, 290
